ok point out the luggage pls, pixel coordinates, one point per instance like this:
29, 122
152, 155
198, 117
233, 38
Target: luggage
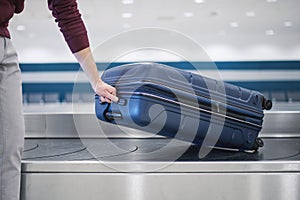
166, 101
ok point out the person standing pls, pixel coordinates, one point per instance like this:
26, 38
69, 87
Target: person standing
12, 129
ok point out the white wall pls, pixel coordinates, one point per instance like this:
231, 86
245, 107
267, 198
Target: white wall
225, 30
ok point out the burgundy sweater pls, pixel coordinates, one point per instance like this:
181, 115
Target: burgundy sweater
66, 15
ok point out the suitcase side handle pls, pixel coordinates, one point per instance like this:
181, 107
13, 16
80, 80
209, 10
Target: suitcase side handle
101, 109
104, 110
112, 116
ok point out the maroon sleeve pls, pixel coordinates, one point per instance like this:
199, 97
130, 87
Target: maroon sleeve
71, 25
19, 6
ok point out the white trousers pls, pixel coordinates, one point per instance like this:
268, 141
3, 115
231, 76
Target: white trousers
11, 122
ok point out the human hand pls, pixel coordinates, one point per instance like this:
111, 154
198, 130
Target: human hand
106, 92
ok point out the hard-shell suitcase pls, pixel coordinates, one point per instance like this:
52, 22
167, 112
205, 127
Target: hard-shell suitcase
163, 100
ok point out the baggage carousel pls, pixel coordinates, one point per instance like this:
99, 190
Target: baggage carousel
71, 155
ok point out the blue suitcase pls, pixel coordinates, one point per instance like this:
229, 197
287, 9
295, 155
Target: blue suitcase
166, 101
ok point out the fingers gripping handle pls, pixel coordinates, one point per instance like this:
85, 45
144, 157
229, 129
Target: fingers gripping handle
104, 110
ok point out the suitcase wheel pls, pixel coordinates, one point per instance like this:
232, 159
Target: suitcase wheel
258, 143
267, 104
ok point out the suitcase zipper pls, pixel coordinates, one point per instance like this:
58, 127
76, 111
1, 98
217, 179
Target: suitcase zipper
192, 107
123, 83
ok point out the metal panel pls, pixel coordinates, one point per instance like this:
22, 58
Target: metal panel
161, 186
161, 167
281, 124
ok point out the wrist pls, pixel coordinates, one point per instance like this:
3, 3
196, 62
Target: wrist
96, 84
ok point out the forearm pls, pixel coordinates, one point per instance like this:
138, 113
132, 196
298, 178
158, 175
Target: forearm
87, 63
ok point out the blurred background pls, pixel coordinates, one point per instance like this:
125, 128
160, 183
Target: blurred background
254, 43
